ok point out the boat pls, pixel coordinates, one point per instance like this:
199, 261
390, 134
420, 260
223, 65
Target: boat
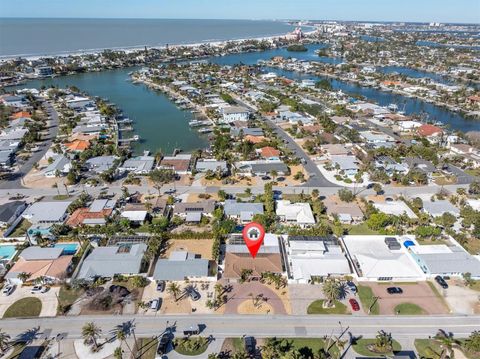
205, 130
393, 107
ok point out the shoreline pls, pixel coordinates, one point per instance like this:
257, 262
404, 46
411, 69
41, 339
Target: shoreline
136, 48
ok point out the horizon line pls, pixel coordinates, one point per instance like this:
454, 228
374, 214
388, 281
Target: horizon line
232, 19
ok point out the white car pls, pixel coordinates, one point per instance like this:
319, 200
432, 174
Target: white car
8, 289
38, 289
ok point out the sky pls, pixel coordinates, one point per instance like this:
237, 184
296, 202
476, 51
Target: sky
465, 11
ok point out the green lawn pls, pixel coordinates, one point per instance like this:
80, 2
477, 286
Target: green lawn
366, 298
360, 229
21, 229
61, 197
192, 346
25, 307
408, 309
312, 346
316, 307
361, 348
66, 297
428, 348
147, 348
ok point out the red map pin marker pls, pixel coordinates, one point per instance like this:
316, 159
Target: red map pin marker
253, 235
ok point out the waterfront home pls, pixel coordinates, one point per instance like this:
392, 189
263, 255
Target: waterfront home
193, 212
10, 211
295, 213
180, 164
381, 258
238, 259
430, 132
235, 113
138, 165
182, 265
96, 214
347, 213
47, 212
16, 101
262, 168
79, 103
242, 212
212, 165
61, 165
311, 258
247, 131
377, 138
100, 164
105, 262
48, 263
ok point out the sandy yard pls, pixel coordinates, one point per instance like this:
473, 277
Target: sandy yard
36, 179
277, 300
246, 181
249, 307
416, 293
293, 171
461, 299
202, 247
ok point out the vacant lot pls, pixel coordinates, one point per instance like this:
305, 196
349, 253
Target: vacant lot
414, 295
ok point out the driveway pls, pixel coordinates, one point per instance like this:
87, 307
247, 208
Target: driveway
48, 299
462, 176
416, 293
241, 293
302, 295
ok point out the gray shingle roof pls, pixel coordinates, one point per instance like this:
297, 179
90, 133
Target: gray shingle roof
179, 266
108, 261
234, 208
39, 253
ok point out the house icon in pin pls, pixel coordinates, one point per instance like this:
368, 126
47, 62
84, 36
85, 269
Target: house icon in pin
253, 233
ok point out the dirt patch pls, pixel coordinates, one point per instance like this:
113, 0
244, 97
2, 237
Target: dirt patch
202, 247
416, 293
170, 306
196, 197
249, 307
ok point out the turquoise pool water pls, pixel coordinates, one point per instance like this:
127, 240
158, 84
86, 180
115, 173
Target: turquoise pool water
68, 248
7, 251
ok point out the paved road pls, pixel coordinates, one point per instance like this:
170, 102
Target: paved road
224, 326
316, 177
16, 178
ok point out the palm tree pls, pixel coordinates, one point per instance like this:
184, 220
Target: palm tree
447, 342
174, 289
332, 291
90, 334
122, 337
118, 353
4, 341
384, 342
23, 276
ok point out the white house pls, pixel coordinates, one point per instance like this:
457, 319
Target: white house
235, 113
295, 213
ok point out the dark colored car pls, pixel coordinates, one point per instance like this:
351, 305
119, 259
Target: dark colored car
394, 290
161, 285
351, 287
266, 178
441, 282
250, 345
163, 344
354, 304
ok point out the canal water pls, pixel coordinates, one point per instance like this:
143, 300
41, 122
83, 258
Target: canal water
162, 126
158, 122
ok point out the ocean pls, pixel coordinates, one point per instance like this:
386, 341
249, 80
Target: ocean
33, 37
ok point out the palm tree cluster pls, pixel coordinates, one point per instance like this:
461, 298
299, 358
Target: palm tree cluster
333, 290
274, 278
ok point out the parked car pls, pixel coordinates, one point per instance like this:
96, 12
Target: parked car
249, 344
351, 287
193, 330
155, 304
394, 290
8, 289
161, 285
354, 304
266, 178
194, 295
441, 282
38, 289
163, 344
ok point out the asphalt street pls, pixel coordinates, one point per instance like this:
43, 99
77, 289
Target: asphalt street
224, 326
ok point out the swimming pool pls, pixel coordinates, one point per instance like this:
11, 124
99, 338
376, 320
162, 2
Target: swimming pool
7, 251
68, 248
